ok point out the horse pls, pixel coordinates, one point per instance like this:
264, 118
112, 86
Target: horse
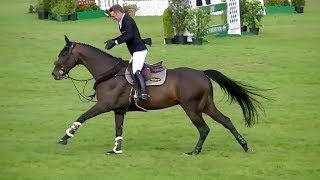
190, 88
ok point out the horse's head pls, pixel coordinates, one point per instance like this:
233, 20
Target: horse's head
67, 59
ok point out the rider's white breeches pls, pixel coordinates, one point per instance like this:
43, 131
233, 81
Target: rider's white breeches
138, 59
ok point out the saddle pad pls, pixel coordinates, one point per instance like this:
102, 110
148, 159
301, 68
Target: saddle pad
156, 79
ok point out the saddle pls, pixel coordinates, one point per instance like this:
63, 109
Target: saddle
154, 74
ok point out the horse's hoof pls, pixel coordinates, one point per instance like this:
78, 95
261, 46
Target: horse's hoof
191, 153
249, 150
112, 153
63, 142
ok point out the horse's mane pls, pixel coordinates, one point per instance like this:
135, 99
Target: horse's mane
112, 72
107, 54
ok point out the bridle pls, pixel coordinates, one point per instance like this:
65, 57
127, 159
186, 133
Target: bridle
82, 96
62, 72
64, 75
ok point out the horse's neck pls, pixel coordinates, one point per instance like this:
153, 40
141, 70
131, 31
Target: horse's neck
97, 63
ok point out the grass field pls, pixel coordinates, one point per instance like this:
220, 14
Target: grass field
36, 110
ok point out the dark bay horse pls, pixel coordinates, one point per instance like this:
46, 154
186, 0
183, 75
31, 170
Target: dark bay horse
189, 88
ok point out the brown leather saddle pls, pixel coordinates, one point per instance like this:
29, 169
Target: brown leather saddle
154, 74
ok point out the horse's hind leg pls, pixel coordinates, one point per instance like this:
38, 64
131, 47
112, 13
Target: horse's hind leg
216, 115
197, 120
119, 118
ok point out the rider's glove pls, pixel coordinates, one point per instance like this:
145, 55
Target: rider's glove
110, 44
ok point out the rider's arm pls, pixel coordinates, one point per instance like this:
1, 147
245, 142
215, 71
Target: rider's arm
127, 32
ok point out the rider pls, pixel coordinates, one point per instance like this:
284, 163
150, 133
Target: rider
131, 36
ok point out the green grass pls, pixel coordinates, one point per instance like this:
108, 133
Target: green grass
36, 110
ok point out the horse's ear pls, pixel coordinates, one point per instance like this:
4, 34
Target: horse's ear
66, 39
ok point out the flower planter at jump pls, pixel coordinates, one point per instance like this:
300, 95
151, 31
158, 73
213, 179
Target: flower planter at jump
197, 41
299, 9
90, 14
61, 18
279, 9
254, 30
42, 15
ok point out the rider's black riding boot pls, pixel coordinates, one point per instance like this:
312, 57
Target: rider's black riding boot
142, 83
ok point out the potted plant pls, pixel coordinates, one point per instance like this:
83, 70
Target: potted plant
197, 23
298, 5
167, 26
243, 10
72, 5
43, 7
61, 10
52, 3
252, 18
130, 9
178, 8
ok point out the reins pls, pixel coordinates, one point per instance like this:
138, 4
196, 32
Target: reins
82, 95
109, 74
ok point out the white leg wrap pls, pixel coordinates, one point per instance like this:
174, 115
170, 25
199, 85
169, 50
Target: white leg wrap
117, 152
75, 125
68, 132
118, 138
73, 128
117, 142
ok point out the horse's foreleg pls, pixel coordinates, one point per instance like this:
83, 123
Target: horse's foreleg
119, 117
94, 111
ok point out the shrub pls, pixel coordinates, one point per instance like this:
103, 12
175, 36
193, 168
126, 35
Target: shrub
129, 7
179, 12
167, 23
276, 3
87, 7
252, 18
43, 5
285, 3
243, 10
64, 7
298, 3
197, 22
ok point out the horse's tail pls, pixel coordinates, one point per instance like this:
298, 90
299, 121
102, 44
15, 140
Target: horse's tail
244, 94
